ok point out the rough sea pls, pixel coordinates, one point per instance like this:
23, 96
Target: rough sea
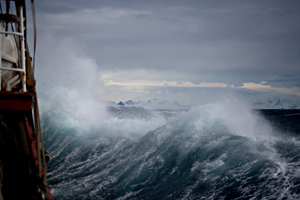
214, 151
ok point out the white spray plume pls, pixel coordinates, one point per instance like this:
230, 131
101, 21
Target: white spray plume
68, 87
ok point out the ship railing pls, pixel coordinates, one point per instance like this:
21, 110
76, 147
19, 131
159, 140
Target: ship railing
22, 68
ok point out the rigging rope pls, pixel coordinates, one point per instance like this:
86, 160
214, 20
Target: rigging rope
36, 109
34, 33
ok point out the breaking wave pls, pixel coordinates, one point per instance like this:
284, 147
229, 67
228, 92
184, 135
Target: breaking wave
217, 151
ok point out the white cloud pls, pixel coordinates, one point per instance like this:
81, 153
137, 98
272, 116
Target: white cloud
158, 83
263, 87
139, 79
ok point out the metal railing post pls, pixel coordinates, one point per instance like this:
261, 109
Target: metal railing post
23, 66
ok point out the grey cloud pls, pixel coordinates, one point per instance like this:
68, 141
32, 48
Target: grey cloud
224, 41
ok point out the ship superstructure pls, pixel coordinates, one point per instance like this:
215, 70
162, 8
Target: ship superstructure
23, 166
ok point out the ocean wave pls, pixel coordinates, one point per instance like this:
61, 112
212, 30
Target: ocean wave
217, 151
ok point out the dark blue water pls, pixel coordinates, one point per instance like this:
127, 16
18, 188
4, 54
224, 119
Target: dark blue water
214, 151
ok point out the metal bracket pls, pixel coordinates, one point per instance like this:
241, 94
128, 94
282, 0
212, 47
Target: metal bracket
12, 82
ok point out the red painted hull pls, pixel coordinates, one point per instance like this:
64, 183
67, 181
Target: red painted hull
19, 154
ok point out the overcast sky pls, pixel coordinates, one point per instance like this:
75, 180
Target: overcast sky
189, 51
